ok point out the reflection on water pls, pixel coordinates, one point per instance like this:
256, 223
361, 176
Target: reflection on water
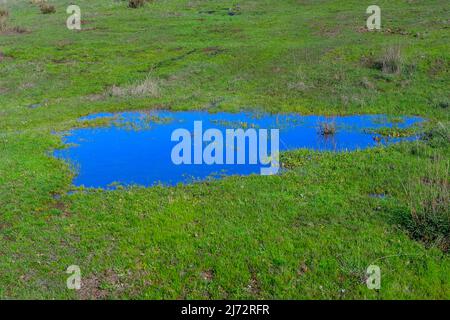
135, 148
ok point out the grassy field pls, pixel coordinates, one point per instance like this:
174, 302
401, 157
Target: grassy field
309, 233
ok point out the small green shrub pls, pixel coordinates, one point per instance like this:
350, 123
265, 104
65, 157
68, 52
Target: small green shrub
438, 136
444, 104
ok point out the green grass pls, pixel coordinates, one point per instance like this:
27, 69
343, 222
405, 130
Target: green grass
308, 233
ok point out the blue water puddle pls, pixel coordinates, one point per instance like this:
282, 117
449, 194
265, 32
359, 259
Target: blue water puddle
135, 148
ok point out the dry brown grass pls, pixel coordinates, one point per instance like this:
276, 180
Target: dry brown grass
136, 3
47, 8
149, 87
392, 60
4, 15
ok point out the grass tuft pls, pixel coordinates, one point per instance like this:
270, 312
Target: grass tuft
327, 128
4, 14
428, 219
136, 3
47, 8
392, 61
149, 87
438, 136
